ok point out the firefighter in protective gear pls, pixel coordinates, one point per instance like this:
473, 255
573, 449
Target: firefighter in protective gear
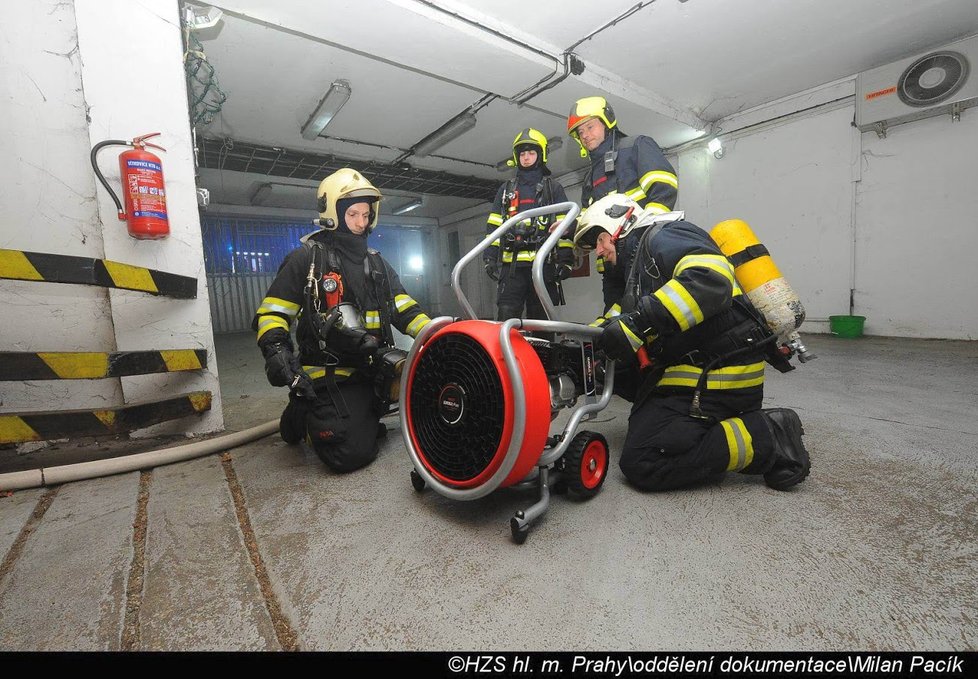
697, 412
509, 259
344, 297
635, 167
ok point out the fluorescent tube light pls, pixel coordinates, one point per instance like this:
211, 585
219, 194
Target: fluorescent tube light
331, 103
453, 128
407, 207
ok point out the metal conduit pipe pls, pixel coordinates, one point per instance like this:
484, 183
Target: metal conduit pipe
52, 476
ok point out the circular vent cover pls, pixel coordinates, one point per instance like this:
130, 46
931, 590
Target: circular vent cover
933, 78
457, 406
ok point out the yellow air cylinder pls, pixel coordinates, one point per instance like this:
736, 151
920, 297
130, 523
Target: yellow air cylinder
759, 276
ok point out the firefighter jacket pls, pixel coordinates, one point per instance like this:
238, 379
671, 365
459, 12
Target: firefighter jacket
531, 188
699, 320
370, 284
641, 172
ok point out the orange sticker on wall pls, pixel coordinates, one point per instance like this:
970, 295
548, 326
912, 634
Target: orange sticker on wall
880, 93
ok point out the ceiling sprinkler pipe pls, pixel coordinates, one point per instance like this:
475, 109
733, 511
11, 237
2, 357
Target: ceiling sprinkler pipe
51, 476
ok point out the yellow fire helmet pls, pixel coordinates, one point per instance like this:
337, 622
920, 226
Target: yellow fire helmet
616, 213
345, 183
585, 109
529, 136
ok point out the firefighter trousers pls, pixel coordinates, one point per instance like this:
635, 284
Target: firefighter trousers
666, 448
344, 444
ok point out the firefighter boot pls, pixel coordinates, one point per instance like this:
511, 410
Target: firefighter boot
791, 463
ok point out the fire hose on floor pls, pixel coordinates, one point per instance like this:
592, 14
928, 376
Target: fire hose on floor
51, 476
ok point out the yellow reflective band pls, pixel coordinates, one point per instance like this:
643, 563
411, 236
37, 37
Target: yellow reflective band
559, 218
680, 304
599, 264
739, 443
495, 219
565, 243
717, 263
654, 176
403, 302
266, 323
636, 194
70, 366
317, 372
415, 326
598, 322
14, 264
657, 208
180, 359
282, 306
494, 244
507, 257
615, 310
15, 430
526, 255
128, 276
633, 339
730, 377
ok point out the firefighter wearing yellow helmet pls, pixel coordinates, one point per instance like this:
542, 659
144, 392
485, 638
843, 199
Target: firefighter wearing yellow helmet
343, 297
633, 166
697, 404
509, 259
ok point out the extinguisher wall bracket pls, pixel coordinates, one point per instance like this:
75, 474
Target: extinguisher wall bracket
98, 173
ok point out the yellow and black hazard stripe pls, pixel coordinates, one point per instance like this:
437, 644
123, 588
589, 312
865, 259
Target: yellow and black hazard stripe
82, 365
43, 426
52, 268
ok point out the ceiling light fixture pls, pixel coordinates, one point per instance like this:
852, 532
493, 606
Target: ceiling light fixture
454, 128
715, 147
331, 103
407, 207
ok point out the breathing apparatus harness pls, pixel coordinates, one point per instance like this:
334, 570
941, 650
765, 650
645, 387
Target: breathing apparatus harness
338, 330
749, 336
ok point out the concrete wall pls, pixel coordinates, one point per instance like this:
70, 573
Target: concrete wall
892, 219
73, 83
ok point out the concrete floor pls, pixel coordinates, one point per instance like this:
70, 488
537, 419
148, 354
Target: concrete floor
264, 548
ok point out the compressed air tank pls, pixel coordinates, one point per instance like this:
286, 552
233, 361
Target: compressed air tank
759, 277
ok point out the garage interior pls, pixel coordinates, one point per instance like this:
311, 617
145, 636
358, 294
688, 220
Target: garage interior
866, 203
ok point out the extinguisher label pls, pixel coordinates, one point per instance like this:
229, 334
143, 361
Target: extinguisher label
144, 164
149, 213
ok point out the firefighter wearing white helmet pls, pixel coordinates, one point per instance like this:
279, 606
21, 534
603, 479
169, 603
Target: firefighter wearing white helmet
696, 410
344, 297
508, 260
633, 166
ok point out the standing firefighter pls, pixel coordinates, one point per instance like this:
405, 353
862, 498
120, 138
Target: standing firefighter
635, 167
697, 412
344, 297
508, 260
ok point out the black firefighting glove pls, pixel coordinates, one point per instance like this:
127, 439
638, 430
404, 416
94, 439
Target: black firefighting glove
492, 268
283, 369
563, 271
622, 338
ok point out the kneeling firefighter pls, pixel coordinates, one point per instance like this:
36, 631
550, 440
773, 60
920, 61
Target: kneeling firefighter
701, 346
344, 297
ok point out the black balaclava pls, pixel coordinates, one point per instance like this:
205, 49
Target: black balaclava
352, 249
538, 169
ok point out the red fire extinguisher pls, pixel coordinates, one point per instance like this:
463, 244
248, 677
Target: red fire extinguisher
142, 183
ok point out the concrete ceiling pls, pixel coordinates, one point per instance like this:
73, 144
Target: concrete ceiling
669, 67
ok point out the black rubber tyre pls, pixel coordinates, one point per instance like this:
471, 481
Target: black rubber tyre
586, 464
